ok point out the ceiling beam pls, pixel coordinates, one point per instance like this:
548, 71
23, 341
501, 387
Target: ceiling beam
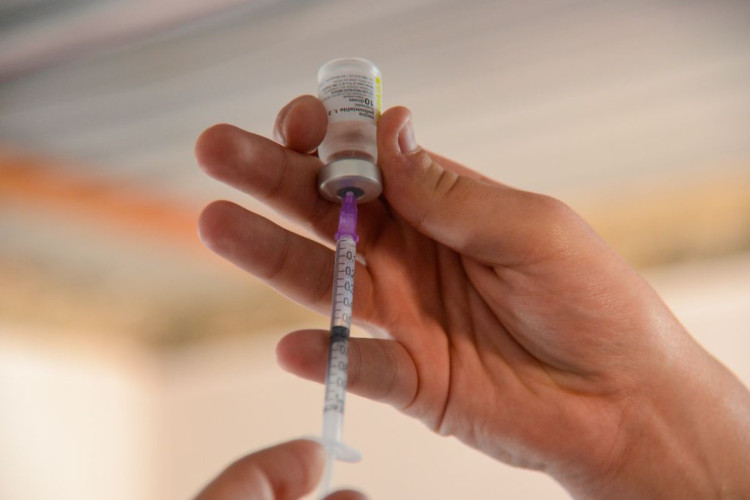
650, 225
61, 188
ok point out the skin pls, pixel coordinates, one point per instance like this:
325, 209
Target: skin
283, 472
498, 316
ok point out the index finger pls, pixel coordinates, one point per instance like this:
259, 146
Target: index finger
301, 125
273, 174
287, 470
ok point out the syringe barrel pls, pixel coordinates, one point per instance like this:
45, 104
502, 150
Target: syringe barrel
333, 425
351, 91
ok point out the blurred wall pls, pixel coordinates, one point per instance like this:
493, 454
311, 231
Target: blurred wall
77, 417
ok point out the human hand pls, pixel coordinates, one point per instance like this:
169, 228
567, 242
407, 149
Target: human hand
503, 318
283, 472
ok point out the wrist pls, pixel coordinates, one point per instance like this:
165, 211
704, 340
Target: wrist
687, 435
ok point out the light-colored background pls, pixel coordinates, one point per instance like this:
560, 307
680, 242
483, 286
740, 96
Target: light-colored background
134, 364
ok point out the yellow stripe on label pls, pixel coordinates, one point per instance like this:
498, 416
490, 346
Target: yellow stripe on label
378, 98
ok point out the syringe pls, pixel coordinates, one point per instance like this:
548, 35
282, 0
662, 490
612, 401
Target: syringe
338, 351
350, 90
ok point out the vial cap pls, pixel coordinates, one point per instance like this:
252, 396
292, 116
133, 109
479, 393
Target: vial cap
350, 174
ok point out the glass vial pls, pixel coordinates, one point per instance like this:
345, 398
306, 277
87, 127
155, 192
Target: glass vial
350, 90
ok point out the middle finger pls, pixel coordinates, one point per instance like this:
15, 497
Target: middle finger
278, 177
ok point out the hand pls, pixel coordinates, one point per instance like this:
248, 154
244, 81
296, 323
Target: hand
286, 471
503, 318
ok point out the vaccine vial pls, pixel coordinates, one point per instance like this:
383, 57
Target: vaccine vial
351, 91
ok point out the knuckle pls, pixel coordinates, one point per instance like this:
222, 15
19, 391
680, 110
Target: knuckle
555, 210
558, 225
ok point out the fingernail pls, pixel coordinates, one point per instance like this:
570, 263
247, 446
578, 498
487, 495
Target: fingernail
279, 134
407, 142
279, 129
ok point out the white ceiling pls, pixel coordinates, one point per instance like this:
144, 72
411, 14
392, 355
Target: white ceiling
547, 94
572, 97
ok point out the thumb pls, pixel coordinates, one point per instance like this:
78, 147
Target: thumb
491, 222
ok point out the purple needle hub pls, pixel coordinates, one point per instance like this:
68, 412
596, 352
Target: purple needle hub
348, 217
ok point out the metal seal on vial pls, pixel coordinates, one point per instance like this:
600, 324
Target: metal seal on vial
351, 92
350, 174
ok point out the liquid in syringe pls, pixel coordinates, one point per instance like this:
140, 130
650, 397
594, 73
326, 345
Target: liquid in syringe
338, 351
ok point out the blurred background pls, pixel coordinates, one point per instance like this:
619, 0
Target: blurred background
135, 364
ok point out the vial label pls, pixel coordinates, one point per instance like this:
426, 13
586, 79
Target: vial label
351, 97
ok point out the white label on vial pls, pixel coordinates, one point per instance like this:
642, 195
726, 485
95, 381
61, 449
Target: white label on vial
351, 97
